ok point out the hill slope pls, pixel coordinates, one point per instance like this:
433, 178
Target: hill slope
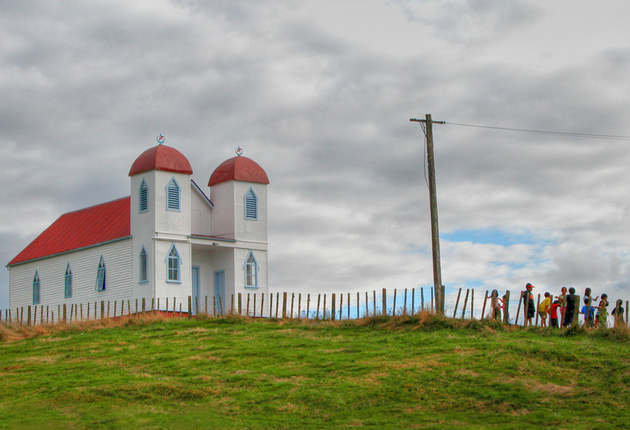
414, 372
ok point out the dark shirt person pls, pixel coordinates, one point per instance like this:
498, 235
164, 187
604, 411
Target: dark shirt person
572, 302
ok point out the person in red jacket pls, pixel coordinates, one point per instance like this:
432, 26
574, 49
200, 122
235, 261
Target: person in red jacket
553, 313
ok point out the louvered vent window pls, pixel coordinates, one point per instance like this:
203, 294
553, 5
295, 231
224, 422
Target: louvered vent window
251, 205
144, 197
172, 195
100, 275
68, 283
36, 289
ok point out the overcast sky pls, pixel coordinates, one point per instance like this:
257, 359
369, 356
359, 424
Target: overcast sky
320, 93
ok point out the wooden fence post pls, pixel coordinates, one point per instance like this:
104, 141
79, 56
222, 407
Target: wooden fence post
324, 310
332, 305
536, 310
421, 298
518, 310
405, 303
472, 303
284, 305
308, 305
292, 301
394, 305
384, 302
457, 302
319, 296
299, 305
413, 301
465, 303
341, 306
506, 308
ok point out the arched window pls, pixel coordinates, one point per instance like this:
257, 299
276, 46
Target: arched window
251, 271
172, 195
251, 205
67, 290
144, 272
144, 196
36, 289
173, 265
100, 275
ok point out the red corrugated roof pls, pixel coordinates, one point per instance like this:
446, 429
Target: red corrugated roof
163, 158
80, 229
238, 169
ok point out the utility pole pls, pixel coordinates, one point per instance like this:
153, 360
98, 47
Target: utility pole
435, 232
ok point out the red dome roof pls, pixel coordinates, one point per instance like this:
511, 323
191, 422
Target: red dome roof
163, 158
238, 169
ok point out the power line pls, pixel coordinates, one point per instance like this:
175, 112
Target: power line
556, 133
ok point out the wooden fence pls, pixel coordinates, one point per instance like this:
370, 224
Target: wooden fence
289, 305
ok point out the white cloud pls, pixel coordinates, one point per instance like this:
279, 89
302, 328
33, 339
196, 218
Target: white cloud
319, 94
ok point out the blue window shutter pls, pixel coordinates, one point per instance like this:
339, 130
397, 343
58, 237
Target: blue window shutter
144, 197
251, 205
172, 195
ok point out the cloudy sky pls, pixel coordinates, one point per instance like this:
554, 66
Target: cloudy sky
320, 94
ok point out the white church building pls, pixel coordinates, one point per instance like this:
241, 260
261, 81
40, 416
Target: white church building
169, 239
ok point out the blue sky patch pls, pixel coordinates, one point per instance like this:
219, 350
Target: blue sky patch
493, 236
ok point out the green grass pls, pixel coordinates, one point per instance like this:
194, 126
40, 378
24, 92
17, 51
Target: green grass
237, 373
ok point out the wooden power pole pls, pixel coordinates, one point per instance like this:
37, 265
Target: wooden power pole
435, 232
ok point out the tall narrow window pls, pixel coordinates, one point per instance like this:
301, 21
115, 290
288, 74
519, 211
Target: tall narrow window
100, 275
172, 195
144, 197
251, 205
173, 265
36, 289
251, 271
68, 283
144, 276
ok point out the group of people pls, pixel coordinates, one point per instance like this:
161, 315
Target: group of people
561, 311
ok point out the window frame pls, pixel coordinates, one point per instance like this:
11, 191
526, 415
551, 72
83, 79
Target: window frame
173, 256
101, 275
67, 283
173, 195
37, 289
254, 267
144, 266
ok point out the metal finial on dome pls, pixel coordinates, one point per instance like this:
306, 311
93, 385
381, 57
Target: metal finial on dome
239, 151
161, 138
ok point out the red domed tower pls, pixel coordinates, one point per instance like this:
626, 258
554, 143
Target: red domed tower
161, 223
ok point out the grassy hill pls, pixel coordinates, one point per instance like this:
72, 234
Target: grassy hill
236, 373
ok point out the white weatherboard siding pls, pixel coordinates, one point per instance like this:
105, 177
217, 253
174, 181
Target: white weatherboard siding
84, 265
